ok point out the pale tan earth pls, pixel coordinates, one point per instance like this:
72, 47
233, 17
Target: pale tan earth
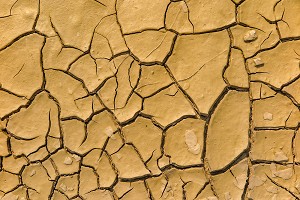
149, 99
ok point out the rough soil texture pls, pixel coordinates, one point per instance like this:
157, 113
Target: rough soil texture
149, 99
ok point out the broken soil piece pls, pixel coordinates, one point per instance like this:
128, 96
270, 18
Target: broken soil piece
287, 11
68, 161
236, 73
229, 120
230, 184
150, 50
22, 75
250, 36
268, 116
267, 37
8, 180
64, 162
184, 142
276, 145
124, 160
281, 64
258, 62
146, 137
68, 185
284, 112
260, 91
200, 67
171, 107
192, 142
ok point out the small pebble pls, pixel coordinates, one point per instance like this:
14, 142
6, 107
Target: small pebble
68, 161
191, 141
268, 116
77, 158
250, 36
258, 62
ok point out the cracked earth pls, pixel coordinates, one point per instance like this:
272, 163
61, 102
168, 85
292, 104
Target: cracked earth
149, 99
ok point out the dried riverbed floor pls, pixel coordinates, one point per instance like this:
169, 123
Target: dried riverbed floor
149, 99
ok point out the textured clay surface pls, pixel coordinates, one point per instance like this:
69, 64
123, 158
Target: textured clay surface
149, 99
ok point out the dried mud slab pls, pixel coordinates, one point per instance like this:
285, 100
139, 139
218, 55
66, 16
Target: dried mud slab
146, 138
204, 14
150, 14
277, 111
229, 120
149, 100
274, 181
17, 18
30, 127
277, 67
82, 138
173, 106
150, 46
236, 74
230, 184
195, 68
22, 75
276, 145
289, 25
184, 142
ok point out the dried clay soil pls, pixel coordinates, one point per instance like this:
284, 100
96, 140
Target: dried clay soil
149, 99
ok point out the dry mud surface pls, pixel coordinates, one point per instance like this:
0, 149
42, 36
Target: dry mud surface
149, 99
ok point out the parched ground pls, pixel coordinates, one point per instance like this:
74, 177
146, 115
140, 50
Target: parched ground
149, 99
